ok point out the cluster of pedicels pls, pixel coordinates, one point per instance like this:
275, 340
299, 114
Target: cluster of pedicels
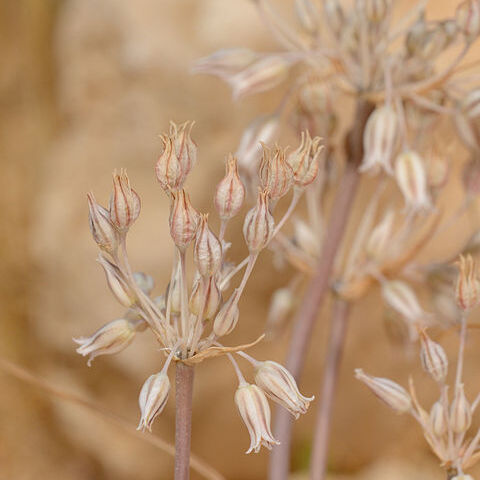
446, 425
190, 322
410, 69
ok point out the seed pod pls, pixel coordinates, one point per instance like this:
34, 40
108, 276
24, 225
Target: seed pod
304, 160
460, 412
438, 419
412, 180
205, 297
380, 139
467, 290
467, 120
259, 224
378, 242
168, 168
260, 76
207, 249
402, 299
103, 231
389, 392
434, 359
307, 15
255, 412
225, 62
183, 220
153, 398
111, 338
185, 148
467, 17
227, 318
117, 282
145, 282
124, 202
278, 383
275, 172
230, 192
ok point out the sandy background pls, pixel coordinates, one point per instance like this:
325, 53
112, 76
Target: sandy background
86, 86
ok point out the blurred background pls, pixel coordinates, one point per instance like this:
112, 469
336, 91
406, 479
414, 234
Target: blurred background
87, 86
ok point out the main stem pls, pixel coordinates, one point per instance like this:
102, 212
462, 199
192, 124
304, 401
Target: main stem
183, 419
336, 342
318, 286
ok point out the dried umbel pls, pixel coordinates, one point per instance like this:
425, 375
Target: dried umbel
276, 174
467, 291
124, 202
255, 411
230, 192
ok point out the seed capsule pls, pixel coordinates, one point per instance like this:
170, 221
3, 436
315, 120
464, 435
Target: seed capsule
278, 383
389, 392
207, 249
230, 192
153, 398
183, 220
460, 412
438, 419
304, 160
205, 297
259, 224
255, 412
103, 231
434, 359
124, 202
276, 174
111, 338
227, 318
467, 290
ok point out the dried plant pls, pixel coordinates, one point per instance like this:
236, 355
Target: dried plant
408, 85
189, 323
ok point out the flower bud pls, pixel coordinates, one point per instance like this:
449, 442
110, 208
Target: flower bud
183, 220
379, 241
434, 359
207, 250
262, 75
117, 282
276, 174
259, 224
124, 202
230, 192
467, 290
304, 160
460, 412
227, 318
255, 412
262, 129
153, 398
380, 139
402, 299
225, 62
205, 297
111, 338
467, 17
144, 281
467, 120
438, 419
307, 15
278, 383
412, 180
389, 392
103, 231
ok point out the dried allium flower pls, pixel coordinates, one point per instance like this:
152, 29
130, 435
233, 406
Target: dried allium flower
412, 180
185, 147
117, 282
103, 231
438, 419
153, 398
276, 174
389, 392
124, 202
230, 191
227, 318
278, 383
304, 160
434, 359
467, 291
205, 298
259, 224
253, 407
168, 168
207, 249
460, 411
183, 220
113, 337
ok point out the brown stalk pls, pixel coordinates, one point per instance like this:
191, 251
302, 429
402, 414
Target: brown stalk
24, 375
319, 283
183, 419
